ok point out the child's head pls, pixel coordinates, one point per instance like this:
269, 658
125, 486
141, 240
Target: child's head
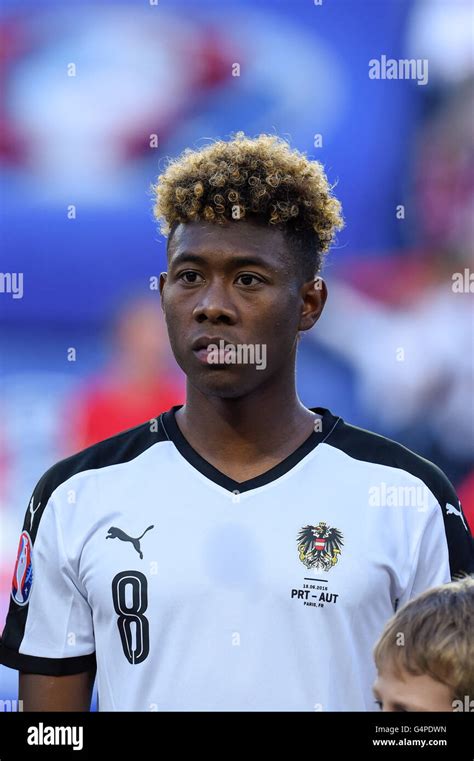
425, 655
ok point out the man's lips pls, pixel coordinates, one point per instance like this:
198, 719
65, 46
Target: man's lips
203, 342
203, 354
201, 348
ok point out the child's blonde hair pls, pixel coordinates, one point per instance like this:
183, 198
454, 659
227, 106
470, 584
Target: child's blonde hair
433, 634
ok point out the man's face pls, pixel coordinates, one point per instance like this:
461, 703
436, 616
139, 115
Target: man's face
412, 693
236, 282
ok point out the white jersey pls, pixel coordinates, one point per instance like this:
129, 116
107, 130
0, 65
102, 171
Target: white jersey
192, 592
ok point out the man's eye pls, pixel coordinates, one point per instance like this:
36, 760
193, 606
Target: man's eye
248, 276
189, 274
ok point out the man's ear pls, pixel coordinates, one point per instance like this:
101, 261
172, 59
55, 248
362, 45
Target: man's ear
314, 295
163, 277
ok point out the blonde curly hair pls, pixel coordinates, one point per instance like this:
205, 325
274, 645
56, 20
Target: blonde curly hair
260, 178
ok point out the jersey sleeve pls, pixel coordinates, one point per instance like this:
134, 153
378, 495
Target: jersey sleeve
49, 627
458, 535
446, 548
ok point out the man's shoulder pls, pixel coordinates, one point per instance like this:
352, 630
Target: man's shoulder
121, 448
371, 447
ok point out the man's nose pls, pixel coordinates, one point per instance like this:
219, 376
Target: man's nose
215, 304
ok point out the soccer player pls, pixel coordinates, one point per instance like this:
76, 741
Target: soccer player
425, 656
240, 551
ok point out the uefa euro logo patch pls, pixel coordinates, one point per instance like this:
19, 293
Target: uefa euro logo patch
319, 546
23, 571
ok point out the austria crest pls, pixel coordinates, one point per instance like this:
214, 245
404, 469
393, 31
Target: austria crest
319, 546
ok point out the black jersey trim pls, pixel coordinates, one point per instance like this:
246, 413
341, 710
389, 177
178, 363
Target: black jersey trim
33, 664
367, 446
173, 433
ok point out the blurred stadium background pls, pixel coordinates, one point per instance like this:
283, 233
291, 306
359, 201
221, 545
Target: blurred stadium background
83, 351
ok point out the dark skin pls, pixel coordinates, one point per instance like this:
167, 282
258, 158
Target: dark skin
242, 420
56, 693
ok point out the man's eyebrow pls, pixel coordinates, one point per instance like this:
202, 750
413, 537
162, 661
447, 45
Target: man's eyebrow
238, 261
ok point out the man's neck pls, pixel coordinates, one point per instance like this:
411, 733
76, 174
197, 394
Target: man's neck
252, 432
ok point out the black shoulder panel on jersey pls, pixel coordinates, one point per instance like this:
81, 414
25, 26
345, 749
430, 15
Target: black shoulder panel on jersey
122, 447
372, 447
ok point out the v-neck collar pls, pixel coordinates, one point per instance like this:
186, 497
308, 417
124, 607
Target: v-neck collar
174, 434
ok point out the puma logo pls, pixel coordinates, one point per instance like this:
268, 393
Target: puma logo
33, 510
451, 510
117, 533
